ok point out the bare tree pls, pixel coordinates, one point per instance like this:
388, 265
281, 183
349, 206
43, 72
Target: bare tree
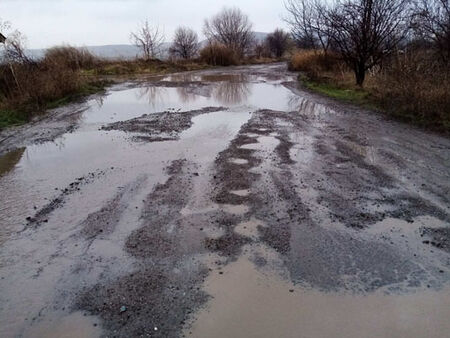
278, 42
308, 22
366, 31
13, 51
232, 28
15, 48
261, 49
432, 19
149, 39
185, 43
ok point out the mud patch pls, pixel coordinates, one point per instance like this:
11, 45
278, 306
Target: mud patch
155, 301
163, 126
42, 215
103, 222
439, 238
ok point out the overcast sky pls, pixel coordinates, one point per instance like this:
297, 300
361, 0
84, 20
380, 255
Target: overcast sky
99, 22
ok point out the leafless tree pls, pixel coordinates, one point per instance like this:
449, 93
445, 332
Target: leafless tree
14, 45
232, 28
366, 31
185, 43
432, 19
308, 22
278, 42
261, 49
149, 39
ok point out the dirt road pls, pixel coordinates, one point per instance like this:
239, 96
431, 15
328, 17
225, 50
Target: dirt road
223, 203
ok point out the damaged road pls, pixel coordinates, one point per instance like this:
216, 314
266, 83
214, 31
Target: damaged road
224, 203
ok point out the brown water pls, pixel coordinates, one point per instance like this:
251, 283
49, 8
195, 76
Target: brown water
256, 302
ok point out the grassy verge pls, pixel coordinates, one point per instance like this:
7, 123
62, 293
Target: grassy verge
359, 97
142, 67
21, 114
412, 87
20, 110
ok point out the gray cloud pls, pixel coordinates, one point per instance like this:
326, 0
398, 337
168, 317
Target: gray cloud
98, 22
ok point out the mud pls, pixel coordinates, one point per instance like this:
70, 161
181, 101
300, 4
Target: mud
225, 202
159, 127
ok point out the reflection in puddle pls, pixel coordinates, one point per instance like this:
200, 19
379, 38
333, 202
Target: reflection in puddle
9, 161
232, 93
266, 305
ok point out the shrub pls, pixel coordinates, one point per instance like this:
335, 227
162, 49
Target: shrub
216, 54
70, 57
416, 87
314, 62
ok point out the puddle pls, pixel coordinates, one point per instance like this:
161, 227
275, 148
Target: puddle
242, 193
75, 325
239, 161
235, 209
9, 160
252, 302
264, 143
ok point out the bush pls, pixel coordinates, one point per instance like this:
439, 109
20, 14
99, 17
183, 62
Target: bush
30, 86
416, 87
70, 57
216, 54
314, 62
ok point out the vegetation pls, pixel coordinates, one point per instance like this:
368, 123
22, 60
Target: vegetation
217, 54
278, 42
149, 40
396, 50
411, 86
231, 28
389, 54
64, 74
185, 44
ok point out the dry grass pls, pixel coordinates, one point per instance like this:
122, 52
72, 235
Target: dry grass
216, 54
413, 86
63, 74
315, 63
416, 87
29, 87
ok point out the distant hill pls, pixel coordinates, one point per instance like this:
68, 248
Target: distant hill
123, 51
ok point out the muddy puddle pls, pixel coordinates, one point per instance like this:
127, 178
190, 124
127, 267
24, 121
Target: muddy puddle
219, 203
252, 301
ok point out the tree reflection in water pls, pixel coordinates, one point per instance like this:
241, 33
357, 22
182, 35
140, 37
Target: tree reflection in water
231, 92
156, 96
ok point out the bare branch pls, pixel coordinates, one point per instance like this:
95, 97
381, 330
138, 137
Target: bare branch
149, 39
185, 44
231, 28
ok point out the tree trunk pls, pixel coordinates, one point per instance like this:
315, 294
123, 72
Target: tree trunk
360, 73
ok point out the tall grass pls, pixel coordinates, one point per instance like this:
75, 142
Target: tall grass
216, 54
413, 86
30, 86
315, 62
416, 86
